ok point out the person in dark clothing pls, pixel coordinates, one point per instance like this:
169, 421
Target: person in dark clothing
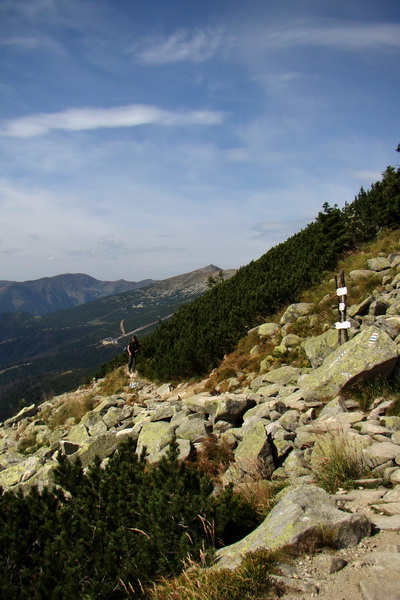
133, 349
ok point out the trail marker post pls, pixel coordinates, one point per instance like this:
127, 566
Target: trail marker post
342, 325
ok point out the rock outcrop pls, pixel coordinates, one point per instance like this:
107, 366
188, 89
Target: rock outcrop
305, 514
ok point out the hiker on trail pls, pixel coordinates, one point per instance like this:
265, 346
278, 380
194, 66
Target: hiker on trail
133, 349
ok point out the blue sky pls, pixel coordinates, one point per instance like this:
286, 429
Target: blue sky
143, 138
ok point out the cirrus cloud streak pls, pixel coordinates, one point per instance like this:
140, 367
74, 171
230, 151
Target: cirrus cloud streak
80, 119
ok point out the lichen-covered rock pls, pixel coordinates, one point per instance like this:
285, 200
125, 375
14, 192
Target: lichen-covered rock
380, 263
254, 452
361, 275
267, 330
154, 437
195, 430
262, 411
304, 514
164, 413
27, 411
360, 309
228, 407
283, 376
378, 307
390, 324
79, 434
392, 423
370, 354
15, 474
102, 446
294, 311
319, 347
381, 452
295, 465
291, 340
196, 403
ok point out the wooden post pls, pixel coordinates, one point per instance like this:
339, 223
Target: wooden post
339, 331
342, 325
344, 307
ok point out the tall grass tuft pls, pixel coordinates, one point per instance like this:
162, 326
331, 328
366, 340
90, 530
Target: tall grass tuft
250, 581
369, 391
337, 461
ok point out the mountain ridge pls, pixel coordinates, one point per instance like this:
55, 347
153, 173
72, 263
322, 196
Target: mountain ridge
45, 295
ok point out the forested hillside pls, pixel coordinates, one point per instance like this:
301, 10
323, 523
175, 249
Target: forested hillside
199, 335
43, 356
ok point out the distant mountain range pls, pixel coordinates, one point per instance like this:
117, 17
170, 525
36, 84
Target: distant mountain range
46, 295
51, 354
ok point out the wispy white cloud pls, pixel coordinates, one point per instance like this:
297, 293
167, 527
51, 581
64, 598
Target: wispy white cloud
347, 37
21, 43
274, 230
360, 174
184, 45
80, 119
109, 246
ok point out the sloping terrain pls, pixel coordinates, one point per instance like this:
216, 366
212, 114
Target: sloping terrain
287, 418
41, 356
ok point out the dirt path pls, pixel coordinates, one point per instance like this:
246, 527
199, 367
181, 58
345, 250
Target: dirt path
372, 569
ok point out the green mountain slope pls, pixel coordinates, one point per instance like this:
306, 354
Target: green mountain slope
198, 336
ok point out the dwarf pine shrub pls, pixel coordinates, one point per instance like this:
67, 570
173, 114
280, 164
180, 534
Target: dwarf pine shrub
108, 532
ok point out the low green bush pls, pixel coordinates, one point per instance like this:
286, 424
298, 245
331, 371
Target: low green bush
108, 532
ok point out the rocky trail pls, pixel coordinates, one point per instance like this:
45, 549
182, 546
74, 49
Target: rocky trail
281, 424
368, 571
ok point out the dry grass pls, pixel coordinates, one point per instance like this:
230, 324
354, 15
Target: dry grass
75, 406
214, 458
337, 461
365, 393
75, 409
113, 383
260, 495
249, 581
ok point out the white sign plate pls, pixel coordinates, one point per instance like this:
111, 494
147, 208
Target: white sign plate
341, 291
344, 325
342, 306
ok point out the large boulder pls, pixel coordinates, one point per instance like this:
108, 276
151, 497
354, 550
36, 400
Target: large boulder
20, 472
196, 403
370, 354
294, 311
379, 263
154, 437
286, 375
27, 411
228, 407
319, 347
195, 430
305, 515
254, 453
102, 446
363, 275
267, 330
